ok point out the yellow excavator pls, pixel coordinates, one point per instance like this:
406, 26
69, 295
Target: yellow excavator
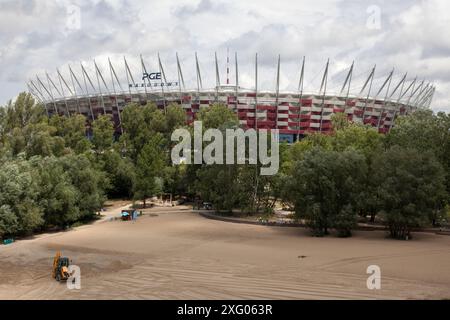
61, 267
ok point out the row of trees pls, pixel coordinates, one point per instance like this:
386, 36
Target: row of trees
58, 172
53, 175
40, 193
330, 181
330, 188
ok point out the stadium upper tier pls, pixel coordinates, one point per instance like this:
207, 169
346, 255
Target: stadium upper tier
293, 113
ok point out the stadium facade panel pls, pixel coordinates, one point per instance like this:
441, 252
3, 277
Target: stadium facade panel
292, 113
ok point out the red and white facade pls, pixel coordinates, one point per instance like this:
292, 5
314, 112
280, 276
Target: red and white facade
293, 113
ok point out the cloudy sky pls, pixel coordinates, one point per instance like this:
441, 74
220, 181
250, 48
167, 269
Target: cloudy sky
408, 35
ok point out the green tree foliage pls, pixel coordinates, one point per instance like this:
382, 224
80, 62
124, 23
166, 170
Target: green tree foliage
340, 121
108, 158
140, 123
20, 113
53, 175
417, 131
119, 170
73, 131
424, 131
411, 189
362, 138
42, 141
175, 118
218, 116
20, 212
102, 133
325, 188
175, 179
369, 142
216, 183
25, 129
149, 168
230, 187
44, 183
256, 194
90, 183
48, 192
299, 149
58, 196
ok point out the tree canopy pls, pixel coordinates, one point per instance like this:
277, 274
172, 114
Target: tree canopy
58, 170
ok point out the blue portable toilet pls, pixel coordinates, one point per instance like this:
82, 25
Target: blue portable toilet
8, 241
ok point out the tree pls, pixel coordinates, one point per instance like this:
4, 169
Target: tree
259, 193
175, 179
19, 210
21, 112
218, 116
149, 168
58, 196
311, 141
234, 186
361, 138
222, 193
175, 118
424, 131
416, 131
340, 121
325, 187
42, 182
25, 128
369, 142
119, 170
140, 123
73, 131
42, 141
219, 185
15, 141
293, 156
89, 182
102, 133
9, 224
411, 189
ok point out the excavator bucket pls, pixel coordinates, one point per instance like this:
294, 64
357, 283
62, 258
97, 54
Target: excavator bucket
55, 263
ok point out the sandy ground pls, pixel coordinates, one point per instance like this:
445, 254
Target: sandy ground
176, 254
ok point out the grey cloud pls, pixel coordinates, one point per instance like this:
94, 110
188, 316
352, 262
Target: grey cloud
204, 6
411, 37
22, 6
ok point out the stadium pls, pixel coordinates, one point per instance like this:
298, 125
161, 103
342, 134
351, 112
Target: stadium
294, 113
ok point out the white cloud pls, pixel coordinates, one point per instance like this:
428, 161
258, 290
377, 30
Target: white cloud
39, 35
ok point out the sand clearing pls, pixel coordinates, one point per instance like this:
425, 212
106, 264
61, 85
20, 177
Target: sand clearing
176, 254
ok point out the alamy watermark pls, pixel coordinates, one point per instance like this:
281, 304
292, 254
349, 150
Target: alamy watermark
374, 280
73, 18
74, 280
234, 145
374, 19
